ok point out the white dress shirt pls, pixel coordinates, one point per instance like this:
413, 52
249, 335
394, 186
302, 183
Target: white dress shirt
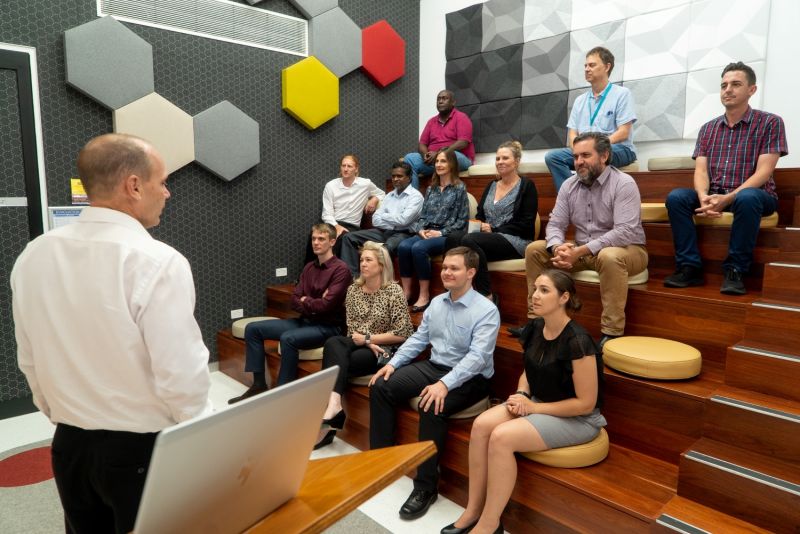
346, 204
105, 327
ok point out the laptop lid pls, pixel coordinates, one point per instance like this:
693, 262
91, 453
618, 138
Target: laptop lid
226, 471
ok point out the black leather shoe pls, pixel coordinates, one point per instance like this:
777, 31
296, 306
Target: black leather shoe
327, 439
337, 421
733, 283
453, 529
252, 391
685, 276
417, 309
515, 331
417, 504
604, 339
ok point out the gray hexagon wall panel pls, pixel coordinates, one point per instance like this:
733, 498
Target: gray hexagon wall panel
335, 40
226, 140
312, 8
108, 62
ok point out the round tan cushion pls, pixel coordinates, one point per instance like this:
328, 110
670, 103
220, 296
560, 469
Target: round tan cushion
630, 167
770, 221
670, 163
526, 167
654, 212
306, 354
652, 357
473, 206
581, 455
593, 277
238, 326
360, 380
471, 411
463, 174
483, 170
507, 266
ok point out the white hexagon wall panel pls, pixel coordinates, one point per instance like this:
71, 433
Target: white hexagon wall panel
226, 140
335, 40
160, 122
108, 62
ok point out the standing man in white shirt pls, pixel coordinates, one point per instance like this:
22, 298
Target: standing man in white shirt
106, 335
392, 221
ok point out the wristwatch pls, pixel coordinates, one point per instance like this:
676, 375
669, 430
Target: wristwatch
367, 339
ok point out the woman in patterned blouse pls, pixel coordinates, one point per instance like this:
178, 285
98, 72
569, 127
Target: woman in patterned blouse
377, 320
507, 211
444, 211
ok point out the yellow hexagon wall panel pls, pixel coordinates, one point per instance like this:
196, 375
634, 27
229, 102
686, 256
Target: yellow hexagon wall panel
163, 124
310, 92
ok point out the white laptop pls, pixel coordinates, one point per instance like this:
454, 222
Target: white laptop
224, 472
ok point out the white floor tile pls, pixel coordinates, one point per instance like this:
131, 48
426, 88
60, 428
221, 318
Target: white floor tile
24, 429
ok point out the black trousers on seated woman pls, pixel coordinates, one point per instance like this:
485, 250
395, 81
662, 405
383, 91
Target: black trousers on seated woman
490, 247
352, 359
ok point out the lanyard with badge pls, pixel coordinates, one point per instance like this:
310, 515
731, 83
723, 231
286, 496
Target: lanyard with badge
599, 104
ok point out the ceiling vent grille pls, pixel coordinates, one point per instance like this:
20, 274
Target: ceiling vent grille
216, 19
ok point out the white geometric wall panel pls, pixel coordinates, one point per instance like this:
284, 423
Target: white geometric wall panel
546, 18
727, 30
156, 120
610, 35
702, 97
545, 65
587, 13
640, 7
660, 104
502, 23
657, 44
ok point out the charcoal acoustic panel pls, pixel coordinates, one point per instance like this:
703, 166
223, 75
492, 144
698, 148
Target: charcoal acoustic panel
660, 107
499, 122
544, 119
501, 74
473, 111
502, 23
226, 140
462, 76
108, 62
464, 32
545, 65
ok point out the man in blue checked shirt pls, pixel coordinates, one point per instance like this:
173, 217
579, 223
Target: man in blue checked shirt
461, 327
735, 155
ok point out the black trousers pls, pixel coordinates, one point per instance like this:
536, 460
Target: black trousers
406, 383
352, 359
100, 476
490, 247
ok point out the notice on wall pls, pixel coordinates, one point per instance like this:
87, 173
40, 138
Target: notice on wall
79, 197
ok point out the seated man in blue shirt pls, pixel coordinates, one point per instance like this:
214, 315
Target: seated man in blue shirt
461, 327
392, 221
606, 108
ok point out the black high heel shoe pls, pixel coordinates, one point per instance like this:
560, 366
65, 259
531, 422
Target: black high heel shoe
326, 440
337, 421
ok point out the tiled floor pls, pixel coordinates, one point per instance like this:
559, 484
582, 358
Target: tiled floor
30, 428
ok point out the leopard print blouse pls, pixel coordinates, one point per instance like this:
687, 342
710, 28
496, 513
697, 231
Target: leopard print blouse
384, 311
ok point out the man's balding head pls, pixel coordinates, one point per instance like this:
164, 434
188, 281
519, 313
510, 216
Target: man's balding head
108, 159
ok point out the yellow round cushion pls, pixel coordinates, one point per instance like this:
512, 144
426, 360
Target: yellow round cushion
306, 354
770, 221
652, 357
528, 167
630, 167
238, 326
507, 266
360, 380
654, 212
471, 411
581, 455
483, 170
593, 277
670, 163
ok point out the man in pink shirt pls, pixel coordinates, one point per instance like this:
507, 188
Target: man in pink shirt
450, 130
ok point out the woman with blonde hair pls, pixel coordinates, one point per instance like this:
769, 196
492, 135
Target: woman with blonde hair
377, 321
507, 211
557, 404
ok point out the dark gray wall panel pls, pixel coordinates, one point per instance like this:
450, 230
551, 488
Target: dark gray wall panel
544, 119
464, 32
499, 121
501, 74
463, 75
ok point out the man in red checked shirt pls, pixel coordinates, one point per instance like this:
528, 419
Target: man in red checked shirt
735, 155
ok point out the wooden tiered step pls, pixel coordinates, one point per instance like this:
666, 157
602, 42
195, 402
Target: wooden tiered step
757, 368
686, 516
782, 282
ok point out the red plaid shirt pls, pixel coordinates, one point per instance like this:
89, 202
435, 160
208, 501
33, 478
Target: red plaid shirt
733, 152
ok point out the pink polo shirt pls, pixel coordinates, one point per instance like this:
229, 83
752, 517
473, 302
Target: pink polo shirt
457, 126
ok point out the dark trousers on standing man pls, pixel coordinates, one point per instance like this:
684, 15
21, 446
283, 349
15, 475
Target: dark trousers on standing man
406, 383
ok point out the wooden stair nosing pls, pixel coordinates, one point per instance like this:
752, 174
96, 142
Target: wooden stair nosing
689, 517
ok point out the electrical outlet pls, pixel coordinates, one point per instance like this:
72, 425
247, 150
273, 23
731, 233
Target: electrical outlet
281, 271
237, 314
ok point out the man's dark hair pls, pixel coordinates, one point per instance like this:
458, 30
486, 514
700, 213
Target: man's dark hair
323, 227
471, 258
605, 56
748, 71
602, 144
402, 165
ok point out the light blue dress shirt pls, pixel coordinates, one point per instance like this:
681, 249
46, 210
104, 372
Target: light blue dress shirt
398, 211
617, 109
462, 335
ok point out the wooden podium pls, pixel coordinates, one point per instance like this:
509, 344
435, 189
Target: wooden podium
334, 487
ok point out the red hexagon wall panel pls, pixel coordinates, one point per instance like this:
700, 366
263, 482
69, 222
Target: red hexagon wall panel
383, 53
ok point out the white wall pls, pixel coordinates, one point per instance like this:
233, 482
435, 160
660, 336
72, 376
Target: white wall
778, 86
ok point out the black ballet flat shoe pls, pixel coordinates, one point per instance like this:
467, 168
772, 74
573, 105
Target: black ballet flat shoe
453, 529
417, 309
337, 421
326, 440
